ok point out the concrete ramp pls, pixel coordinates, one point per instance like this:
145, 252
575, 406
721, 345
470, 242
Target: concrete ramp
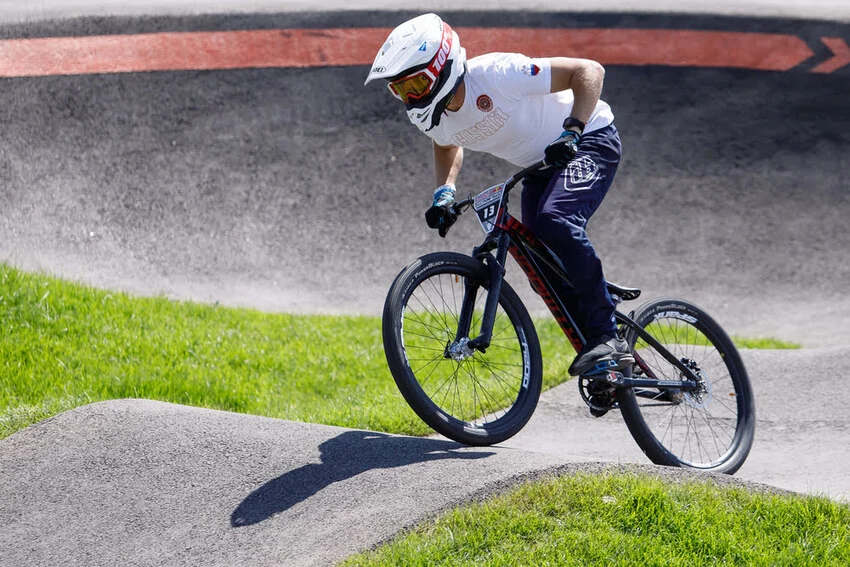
139, 482
136, 482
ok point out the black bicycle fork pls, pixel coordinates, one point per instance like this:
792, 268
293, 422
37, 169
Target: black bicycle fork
496, 268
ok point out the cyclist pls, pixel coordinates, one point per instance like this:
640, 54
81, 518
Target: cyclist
521, 109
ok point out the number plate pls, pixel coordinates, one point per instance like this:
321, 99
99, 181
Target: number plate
487, 205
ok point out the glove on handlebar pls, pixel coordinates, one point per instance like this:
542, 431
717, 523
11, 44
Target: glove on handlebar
560, 152
441, 218
440, 215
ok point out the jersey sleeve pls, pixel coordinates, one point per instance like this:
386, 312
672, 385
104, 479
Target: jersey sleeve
522, 76
439, 137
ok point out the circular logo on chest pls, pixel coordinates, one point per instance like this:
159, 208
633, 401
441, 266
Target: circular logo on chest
484, 103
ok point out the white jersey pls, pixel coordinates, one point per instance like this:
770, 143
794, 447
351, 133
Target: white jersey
509, 111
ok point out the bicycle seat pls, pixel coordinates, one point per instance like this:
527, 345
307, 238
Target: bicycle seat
626, 293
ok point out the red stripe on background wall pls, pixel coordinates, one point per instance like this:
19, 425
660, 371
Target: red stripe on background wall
179, 51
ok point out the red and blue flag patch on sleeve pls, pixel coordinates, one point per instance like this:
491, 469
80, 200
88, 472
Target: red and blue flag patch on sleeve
531, 69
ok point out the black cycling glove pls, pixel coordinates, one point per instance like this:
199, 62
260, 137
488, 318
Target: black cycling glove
440, 215
560, 152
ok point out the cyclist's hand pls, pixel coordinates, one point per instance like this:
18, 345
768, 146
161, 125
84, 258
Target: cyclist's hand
440, 215
560, 152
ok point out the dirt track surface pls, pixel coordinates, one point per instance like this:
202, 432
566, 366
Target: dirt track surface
244, 187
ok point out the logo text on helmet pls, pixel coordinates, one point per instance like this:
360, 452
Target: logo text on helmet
439, 60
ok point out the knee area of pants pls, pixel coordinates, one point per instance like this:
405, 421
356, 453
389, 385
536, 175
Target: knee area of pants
550, 226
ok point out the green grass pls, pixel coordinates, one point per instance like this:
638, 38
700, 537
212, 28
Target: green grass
63, 345
763, 343
625, 520
674, 330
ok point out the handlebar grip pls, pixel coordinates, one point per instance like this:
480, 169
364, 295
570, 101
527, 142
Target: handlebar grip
458, 206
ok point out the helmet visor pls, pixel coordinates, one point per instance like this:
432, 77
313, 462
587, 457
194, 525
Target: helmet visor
412, 87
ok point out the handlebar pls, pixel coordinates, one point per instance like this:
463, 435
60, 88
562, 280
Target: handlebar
459, 206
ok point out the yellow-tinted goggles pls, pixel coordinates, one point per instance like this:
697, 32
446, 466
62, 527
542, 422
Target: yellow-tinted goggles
413, 87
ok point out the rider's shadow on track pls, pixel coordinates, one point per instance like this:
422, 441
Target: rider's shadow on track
343, 457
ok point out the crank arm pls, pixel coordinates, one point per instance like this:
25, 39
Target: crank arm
617, 380
686, 386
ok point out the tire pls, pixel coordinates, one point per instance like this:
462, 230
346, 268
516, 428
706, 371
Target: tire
710, 430
480, 399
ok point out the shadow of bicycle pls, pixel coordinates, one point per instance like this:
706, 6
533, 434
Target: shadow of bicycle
343, 457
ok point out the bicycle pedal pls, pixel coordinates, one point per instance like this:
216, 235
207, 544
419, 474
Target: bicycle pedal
601, 368
612, 377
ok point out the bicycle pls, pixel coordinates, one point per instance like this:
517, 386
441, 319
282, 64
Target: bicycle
464, 352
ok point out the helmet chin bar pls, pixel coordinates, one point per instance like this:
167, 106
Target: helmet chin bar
440, 107
433, 115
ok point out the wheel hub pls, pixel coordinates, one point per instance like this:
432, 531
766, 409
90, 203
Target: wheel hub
701, 397
459, 350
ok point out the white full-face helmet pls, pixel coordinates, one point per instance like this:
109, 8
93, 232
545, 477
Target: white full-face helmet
424, 63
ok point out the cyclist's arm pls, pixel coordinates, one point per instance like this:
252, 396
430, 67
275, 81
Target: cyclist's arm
447, 163
584, 77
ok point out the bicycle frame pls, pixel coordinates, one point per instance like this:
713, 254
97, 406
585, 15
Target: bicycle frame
509, 235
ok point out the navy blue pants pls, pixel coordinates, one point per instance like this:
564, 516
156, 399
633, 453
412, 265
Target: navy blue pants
556, 205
